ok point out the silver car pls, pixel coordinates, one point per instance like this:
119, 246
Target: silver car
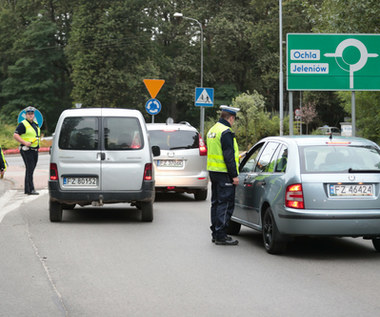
101, 156
182, 165
309, 186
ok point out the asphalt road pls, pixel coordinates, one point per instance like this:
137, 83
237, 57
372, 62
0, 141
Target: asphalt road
104, 262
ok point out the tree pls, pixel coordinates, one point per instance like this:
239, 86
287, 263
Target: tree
36, 78
308, 114
254, 121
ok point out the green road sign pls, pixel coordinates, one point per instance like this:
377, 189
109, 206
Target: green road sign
333, 62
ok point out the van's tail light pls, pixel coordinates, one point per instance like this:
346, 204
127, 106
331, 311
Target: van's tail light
294, 196
148, 175
202, 147
53, 172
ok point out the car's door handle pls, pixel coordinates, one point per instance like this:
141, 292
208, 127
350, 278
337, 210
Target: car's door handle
102, 156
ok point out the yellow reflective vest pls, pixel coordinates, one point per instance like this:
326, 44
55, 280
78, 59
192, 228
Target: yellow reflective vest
30, 134
215, 158
3, 159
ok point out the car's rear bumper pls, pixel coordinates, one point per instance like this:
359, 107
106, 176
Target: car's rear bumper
85, 197
329, 222
197, 181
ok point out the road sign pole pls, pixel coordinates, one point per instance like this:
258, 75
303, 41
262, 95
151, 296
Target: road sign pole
353, 115
290, 112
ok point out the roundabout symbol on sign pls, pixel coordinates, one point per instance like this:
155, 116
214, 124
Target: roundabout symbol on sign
153, 106
351, 68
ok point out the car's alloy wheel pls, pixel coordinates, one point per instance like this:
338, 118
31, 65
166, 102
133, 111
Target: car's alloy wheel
274, 243
55, 211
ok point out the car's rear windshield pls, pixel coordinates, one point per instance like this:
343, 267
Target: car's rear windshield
340, 158
174, 139
119, 133
78, 133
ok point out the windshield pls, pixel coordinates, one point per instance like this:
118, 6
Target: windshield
339, 158
174, 139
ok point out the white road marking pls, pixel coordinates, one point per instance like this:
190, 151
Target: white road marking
12, 199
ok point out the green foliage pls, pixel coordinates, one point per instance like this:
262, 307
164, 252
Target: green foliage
6, 136
36, 74
254, 122
367, 113
97, 52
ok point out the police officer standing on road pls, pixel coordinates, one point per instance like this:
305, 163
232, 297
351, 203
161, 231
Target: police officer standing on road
28, 135
223, 167
3, 163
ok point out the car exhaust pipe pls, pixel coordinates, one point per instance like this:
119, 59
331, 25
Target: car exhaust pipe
98, 203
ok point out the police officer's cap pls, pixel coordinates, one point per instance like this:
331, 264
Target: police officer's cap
231, 110
30, 109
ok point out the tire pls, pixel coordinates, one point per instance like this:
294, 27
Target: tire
274, 242
147, 211
55, 211
200, 194
233, 228
68, 206
376, 244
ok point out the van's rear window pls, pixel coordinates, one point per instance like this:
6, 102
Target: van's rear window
79, 133
174, 139
122, 133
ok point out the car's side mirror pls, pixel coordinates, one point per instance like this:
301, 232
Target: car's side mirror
156, 150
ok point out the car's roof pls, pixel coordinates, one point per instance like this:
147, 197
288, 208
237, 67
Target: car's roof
302, 140
101, 111
171, 126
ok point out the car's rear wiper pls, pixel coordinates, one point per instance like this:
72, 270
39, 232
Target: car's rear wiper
351, 170
181, 147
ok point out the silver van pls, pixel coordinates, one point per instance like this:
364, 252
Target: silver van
98, 156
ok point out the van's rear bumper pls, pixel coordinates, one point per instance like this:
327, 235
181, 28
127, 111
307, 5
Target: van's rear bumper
85, 197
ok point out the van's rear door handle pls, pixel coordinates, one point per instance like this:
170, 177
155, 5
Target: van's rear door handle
102, 156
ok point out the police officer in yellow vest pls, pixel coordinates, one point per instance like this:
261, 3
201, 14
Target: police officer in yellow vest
28, 135
223, 167
3, 164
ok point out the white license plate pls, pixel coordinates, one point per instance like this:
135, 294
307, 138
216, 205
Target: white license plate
80, 181
352, 190
170, 163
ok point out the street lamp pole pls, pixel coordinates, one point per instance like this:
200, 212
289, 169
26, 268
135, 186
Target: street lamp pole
202, 117
281, 75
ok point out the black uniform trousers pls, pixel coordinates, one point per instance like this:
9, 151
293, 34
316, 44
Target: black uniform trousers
222, 203
30, 158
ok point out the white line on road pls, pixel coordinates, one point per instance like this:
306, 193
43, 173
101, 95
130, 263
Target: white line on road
12, 199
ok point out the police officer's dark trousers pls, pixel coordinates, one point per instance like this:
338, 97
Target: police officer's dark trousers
30, 158
222, 203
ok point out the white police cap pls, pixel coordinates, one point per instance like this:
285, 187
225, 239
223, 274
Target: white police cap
232, 110
30, 109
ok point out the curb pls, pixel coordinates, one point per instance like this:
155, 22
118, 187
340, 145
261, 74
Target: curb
15, 151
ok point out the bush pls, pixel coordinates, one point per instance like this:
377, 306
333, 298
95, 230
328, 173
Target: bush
6, 136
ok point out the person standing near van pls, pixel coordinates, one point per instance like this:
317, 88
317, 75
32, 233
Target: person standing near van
28, 135
223, 167
3, 163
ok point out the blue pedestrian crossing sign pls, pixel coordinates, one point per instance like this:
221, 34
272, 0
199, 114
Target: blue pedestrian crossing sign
204, 97
153, 106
